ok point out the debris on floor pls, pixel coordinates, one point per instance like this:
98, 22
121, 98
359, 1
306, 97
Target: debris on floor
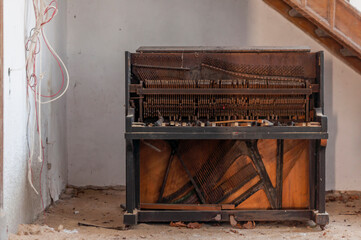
192, 225
101, 217
247, 225
232, 221
177, 224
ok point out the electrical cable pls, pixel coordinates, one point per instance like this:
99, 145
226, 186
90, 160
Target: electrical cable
56, 56
44, 13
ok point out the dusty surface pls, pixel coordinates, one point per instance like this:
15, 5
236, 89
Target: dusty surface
101, 208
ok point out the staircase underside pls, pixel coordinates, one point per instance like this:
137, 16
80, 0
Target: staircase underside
333, 23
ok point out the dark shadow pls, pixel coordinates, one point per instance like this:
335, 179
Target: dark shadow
332, 125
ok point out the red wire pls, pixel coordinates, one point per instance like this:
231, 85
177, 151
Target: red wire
33, 75
52, 53
54, 11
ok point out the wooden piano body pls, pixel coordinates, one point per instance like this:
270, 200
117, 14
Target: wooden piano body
219, 132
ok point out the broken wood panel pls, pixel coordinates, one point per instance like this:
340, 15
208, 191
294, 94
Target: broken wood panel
295, 172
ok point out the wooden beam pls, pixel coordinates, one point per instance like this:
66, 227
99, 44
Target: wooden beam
308, 27
347, 52
321, 33
294, 13
342, 24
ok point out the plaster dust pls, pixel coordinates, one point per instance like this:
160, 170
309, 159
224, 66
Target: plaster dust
102, 208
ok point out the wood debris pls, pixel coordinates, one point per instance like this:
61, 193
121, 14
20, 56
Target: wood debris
247, 225
194, 225
82, 224
191, 225
232, 221
177, 224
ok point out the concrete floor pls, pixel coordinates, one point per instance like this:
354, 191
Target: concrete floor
101, 208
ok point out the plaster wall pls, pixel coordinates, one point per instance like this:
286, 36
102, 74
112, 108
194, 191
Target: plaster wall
100, 31
21, 204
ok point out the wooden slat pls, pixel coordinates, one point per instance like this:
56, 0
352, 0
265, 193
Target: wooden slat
187, 49
228, 206
203, 207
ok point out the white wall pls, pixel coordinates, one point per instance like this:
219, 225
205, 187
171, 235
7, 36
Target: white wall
21, 204
356, 4
100, 31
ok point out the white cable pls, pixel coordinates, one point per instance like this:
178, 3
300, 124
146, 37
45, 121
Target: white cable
40, 6
30, 180
38, 96
31, 157
65, 68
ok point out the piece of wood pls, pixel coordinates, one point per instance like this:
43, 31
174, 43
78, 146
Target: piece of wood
232, 121
189, 49
266, 181
84, 224
203, 207
228, 206
323, 142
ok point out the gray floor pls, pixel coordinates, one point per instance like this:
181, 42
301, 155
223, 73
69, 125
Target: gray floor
101, 208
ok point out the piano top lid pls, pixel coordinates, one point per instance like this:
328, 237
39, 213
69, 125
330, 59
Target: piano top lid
223, 49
